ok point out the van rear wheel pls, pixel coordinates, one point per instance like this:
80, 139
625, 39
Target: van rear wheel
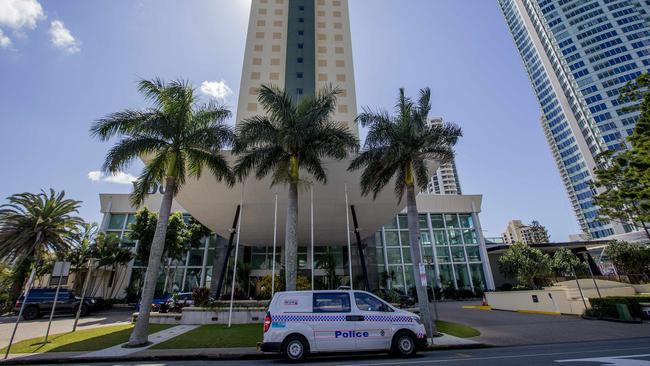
31, 313
404, 344
294, 349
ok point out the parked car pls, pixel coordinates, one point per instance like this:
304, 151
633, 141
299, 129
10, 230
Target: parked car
40, 300
302, 322
394, 296
157, 302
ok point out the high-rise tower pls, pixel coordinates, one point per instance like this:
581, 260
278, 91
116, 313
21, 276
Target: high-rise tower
578, 54
301, 46
445, 179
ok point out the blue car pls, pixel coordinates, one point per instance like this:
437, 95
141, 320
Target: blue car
157, 302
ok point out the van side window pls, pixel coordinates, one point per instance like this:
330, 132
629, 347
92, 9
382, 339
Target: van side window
331, 303
367, 302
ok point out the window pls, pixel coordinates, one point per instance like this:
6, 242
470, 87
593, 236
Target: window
116, 221
301, 7
367, 302
300, 60
301, 20
301, 33
299, 75
301, 45
299, 91
331, 303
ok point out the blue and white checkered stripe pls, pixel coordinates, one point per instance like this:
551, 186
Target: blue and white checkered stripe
341, 318
309, 318
388, 318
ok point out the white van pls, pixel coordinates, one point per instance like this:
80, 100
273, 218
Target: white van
302, 322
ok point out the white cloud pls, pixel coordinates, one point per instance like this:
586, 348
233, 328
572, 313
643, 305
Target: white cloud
216, 89
19, 14
4, 40
62, 38
118, 178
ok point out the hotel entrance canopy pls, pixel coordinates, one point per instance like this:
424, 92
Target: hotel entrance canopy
214, 204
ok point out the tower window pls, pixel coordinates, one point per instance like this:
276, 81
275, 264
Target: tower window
301, 20
301, 45
299, 75
301, 7
301, 33
299, 91
300, 60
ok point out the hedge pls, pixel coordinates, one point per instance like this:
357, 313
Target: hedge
606, 307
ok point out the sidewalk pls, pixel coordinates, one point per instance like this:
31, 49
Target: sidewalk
119, 354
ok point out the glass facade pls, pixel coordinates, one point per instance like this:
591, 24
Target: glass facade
578, 54
450, 248
450, 243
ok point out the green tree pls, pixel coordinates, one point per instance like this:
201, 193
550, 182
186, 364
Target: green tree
328, 262
111, 256
565, 263
401, 147
628, 258
243, 277
538, 232
525, 264
143, 229
623, 177
292, 135
32, 224
178, 138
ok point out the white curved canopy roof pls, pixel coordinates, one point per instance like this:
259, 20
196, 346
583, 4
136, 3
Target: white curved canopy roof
214, 204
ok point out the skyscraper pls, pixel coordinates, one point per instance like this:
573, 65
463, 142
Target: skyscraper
301, 46
578, 54
445, 179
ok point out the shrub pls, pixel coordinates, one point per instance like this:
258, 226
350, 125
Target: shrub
303, 283
606, 307
265, 286
201, 297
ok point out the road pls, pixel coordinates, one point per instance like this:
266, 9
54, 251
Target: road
633, 352
507, 328
60, 324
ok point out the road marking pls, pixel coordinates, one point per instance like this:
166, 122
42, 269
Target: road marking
496, 357
614, 361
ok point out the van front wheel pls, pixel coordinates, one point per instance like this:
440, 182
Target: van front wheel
404, 344
294, 348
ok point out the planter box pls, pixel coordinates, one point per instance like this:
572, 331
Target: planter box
199, 316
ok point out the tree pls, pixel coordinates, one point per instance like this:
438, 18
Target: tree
328, 262
111, 256
538, 232
243, 277
143, 230
623, 196
623, 176
565, 263
292, 135
400, 147
525, 264
628, 258
178, 138
31, 224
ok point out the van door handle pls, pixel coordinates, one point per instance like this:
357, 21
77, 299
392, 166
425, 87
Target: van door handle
354, 318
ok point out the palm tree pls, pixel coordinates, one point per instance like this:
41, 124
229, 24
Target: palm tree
33, 224
179, 138
399, 147
292, 135
81, 251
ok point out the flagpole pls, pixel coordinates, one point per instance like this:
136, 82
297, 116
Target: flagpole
312, 236
275, 231
347, 225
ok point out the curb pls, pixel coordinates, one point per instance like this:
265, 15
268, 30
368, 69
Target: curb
196, 357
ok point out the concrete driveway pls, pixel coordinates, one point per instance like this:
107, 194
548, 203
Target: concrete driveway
505, 328
60, 324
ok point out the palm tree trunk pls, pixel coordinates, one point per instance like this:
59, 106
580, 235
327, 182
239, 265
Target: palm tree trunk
139, 336
291, 239
416, 258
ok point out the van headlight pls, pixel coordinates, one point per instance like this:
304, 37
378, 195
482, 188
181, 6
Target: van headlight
417, 319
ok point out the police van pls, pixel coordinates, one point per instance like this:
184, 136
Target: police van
302, 322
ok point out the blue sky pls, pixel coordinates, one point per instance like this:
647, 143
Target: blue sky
65, 64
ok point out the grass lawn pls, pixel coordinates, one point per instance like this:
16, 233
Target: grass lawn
82, 340
455, 329
216, 336
220, 336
